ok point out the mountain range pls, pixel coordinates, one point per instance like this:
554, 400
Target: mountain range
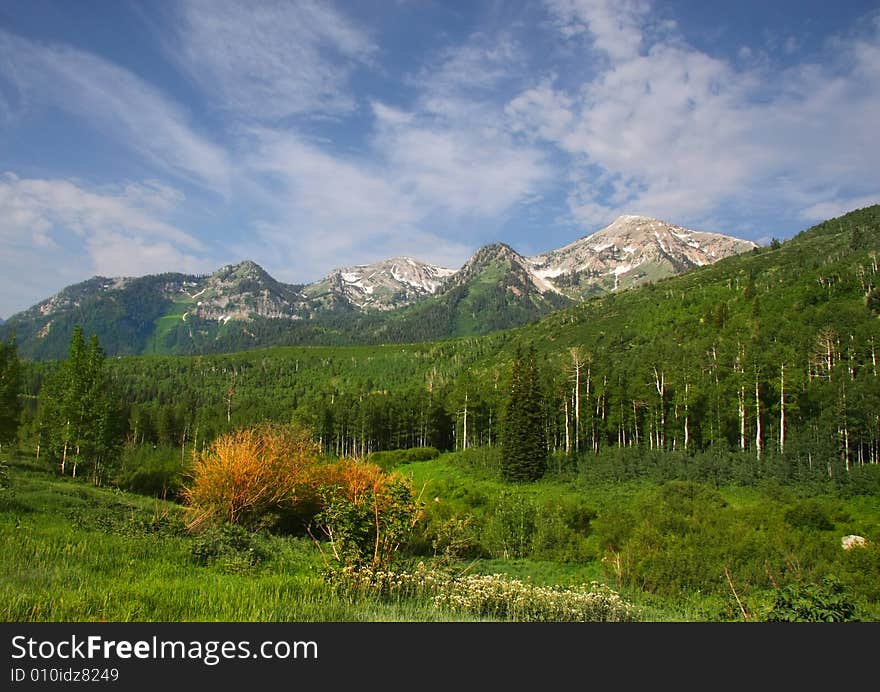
400, 299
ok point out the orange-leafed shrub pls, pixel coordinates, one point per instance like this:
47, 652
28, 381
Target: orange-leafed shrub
248, 473
366, 513
349, 478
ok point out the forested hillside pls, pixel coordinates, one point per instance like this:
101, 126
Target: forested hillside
772, 354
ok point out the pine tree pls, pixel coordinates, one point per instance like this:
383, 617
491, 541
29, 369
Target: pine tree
524, 452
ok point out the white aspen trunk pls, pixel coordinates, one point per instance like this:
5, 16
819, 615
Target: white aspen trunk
660, 383
845, 434
852, 367
636, 423
742, 417
782, 409
465, 431
757, 419
577, 405
686, 430
567, 438
589, 369
64, 451
873, 357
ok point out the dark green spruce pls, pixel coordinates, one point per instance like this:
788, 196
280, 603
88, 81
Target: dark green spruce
524, 448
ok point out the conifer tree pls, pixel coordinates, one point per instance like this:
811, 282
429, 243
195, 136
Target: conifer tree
524, 452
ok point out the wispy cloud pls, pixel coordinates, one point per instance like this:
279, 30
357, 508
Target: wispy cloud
445, 162
269, 60
48, 227
666, 129
457, 171
115, 102
451, 150
320, 209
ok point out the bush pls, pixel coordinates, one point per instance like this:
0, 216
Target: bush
561, 530
859, 568
862, 480
828, 601
232, 547
809, 515
510, 525
366, 516
250, 473
456, 538
157, 472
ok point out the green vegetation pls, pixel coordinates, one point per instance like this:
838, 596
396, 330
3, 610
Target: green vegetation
10, 383
700, 445
771, 357
677, 551
524, 448
77, 417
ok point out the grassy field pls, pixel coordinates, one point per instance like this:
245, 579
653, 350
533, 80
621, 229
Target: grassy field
78, 553
73, 552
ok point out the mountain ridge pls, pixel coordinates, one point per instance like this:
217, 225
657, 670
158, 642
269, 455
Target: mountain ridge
396, 299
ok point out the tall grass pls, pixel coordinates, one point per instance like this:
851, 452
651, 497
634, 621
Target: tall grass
76, 553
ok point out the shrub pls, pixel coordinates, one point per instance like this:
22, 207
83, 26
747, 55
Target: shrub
561, 529
251, 472
828, 601
367, 515
456, 538
232, 547
148, 471
809, 515
510, 525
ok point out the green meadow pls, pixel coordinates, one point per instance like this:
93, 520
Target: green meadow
676, 551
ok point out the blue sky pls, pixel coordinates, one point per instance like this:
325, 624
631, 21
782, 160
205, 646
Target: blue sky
139, 137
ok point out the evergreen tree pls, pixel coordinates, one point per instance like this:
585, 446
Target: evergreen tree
524, 452
10, 404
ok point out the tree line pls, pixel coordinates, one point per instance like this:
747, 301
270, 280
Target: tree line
772, 354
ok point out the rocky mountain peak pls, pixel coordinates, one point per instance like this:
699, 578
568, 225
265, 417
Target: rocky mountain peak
632, 249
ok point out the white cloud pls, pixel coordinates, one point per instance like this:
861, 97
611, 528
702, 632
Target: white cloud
615, 25
445, 163
116, 102
836, 207
671, 131
54, 230
336, 195
452, 152
461, 172
321, 209
541, 112
269, 60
